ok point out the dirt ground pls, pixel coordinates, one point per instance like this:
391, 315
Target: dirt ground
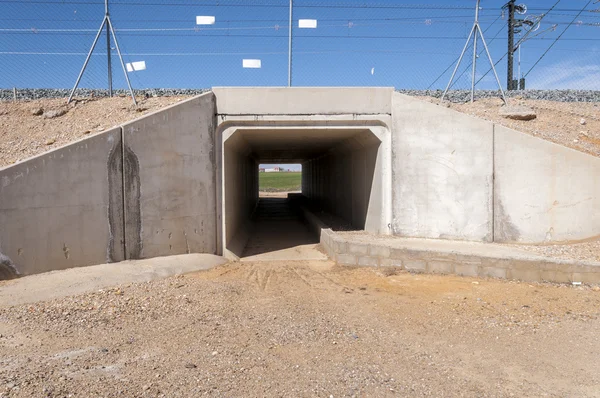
295, 329
24, 134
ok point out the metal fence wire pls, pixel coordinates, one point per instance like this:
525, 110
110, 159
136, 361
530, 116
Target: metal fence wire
205, 43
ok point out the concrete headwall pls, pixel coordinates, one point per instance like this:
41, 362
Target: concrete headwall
543, 192
169, 176
303, 100
442, 172
64, 208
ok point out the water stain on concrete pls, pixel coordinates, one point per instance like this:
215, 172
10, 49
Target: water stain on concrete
116, 244
504, 229
131, 194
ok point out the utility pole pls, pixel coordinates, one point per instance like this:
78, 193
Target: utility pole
511, 44
290, 44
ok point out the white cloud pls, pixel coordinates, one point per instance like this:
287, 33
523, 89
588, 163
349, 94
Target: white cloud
571, 74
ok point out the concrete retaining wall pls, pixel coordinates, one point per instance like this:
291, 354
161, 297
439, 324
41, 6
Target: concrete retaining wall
169, 175
442, 172
64, 208
543, 192
146, 189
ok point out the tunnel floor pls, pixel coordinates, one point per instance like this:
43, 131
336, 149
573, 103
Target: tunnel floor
279, 233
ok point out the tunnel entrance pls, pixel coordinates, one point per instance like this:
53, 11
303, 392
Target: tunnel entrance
341, 183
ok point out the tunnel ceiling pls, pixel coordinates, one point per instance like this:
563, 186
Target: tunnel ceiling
295, 145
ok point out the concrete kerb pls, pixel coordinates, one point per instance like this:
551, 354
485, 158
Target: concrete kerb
354, 252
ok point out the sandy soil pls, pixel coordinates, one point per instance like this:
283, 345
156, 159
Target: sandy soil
559, 122
298, 329
23, 134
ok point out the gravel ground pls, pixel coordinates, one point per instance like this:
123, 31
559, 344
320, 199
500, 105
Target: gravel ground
461, 96
585, 251
46, 93
295, 329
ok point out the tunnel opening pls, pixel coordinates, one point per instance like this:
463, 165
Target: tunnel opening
340, 184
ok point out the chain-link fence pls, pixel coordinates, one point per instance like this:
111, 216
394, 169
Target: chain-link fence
44, 43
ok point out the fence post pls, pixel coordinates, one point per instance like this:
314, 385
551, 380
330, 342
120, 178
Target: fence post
14, 94
290, 45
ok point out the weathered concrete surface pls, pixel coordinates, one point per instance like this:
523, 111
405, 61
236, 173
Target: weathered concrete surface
442, 172
240, 193
77, 281
303, 100
169, 178
543, 192
455, 257
61, 209
347, 181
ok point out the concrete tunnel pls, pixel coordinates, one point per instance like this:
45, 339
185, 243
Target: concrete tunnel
185, 179
341, 180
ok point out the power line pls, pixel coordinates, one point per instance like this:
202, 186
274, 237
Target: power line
557, 39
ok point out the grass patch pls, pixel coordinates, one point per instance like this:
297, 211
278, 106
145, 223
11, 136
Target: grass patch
279, 182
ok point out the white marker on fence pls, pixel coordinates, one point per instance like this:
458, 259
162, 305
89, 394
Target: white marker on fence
252, 63
205, 20
136, 66
307, 23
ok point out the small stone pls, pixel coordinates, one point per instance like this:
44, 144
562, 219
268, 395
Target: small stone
595, 288
576, 141
583, 122
86, 132
54, 114
584, 133
50, 141
190, 366
37, 112
517, 112
214, 353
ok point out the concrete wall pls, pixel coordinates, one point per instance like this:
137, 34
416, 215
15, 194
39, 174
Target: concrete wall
145, 189
442, 172
303, 100
347, 182
64, 208
543, 192
241, 193
170, 172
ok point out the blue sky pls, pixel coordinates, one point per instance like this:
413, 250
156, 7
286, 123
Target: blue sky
388, 43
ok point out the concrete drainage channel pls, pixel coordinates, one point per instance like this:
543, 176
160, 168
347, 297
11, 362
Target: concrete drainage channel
452, 257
